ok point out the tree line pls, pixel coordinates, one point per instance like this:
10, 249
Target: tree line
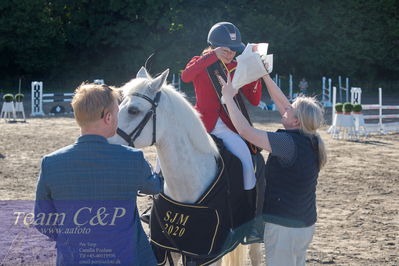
69, 41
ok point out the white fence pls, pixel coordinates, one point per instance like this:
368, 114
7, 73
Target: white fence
359, 120
381, 126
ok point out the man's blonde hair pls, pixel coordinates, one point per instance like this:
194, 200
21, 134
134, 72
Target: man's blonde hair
92, 101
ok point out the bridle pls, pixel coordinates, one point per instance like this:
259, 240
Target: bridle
130, 138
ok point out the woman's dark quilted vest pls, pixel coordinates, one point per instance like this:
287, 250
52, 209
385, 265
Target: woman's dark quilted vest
290, 198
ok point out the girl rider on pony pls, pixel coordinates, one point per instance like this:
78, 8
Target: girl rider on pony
224, 41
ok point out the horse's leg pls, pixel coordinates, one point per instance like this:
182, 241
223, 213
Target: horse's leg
255, 254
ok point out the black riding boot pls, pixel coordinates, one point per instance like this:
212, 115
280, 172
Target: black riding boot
251, 200
252, 235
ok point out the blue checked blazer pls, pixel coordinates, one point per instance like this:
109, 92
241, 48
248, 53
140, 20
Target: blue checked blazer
94, 174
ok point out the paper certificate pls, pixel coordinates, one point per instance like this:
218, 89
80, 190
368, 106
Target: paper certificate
251, 64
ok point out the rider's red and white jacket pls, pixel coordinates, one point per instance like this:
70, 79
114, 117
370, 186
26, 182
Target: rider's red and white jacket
208, 104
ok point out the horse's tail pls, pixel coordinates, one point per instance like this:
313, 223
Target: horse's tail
235, 257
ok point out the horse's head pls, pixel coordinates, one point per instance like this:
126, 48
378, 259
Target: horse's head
153, 112
137, 124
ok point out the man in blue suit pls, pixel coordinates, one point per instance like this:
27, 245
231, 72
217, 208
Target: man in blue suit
86, 192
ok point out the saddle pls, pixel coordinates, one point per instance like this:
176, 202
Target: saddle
206, 230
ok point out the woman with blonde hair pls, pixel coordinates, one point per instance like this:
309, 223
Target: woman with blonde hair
297, 154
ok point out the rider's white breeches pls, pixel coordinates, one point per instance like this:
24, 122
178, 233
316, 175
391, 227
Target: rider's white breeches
237, 146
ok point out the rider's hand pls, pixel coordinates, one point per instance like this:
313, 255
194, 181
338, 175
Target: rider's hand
222, 53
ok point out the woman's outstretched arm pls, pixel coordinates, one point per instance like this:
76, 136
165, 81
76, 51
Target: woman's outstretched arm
277, 95
253, 135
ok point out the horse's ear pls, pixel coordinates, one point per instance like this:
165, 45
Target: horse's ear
119, 91
143, 73
157, 83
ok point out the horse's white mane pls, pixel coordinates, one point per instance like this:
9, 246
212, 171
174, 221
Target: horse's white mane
187, 117
176, 107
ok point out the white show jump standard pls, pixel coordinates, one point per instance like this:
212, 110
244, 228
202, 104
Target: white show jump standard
327, 100
326, 92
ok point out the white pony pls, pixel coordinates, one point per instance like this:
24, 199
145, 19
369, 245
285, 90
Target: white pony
186, 152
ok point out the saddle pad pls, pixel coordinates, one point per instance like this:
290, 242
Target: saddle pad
211, 226
185, 224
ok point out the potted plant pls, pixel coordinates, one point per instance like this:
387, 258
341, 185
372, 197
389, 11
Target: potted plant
338, 108
19, 97
347, 108
8, 98
357, 108
343, 118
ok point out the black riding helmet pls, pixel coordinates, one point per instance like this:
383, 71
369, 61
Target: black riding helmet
225, 34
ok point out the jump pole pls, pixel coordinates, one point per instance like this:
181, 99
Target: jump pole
19, 86
380, 102
340, 88
290, 87
347, 89
334, 102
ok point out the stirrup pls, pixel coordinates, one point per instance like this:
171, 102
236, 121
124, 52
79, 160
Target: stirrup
251, 237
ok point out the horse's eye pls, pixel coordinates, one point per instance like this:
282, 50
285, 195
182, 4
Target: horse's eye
133, 110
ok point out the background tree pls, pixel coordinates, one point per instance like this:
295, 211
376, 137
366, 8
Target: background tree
64, 42
31, 39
